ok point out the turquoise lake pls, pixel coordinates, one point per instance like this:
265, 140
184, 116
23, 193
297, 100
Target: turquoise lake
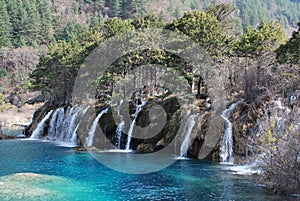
35, 170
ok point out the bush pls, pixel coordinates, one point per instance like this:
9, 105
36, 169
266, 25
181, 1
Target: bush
281, 164
2, 99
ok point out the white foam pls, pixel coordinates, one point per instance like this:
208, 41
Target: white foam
242, 169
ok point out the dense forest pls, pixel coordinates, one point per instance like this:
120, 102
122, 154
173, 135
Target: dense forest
40, 22
29, 28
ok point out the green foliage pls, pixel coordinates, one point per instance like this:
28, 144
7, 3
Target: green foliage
25, 23
269, 139
2, 99
204, 28
131, 9
116, 26
72, 31
3, 72
96, 22
46, 32
26, 85
268, 37
116, 8
252, 11
56, 71
5, 26
149, 21
290, 52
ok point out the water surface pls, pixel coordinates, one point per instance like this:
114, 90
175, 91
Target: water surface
60, 173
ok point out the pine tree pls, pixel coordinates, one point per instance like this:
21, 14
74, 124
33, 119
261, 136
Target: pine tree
72, 31
32, 23
96, 21
46, 34
116, 9
204, 28
5, 26
13, 12
290, 52
257, 44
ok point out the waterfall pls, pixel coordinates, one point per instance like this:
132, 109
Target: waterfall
65, 125
120, 126
52, 125
279, 112
90, 138
227, 143
186, 142
62, 126
37, 133
137, 111
74, 135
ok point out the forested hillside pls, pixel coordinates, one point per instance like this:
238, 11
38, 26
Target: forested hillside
39, 22
27, 28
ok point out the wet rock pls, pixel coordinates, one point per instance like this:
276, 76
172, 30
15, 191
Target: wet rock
160, 145
38, 115
145, 148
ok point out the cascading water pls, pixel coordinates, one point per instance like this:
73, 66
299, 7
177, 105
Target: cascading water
279, 112
227, 143
186, 142
120, 126
66, 125
53, 122
62, 126
90, 138
137, 111
37, 133
80, 115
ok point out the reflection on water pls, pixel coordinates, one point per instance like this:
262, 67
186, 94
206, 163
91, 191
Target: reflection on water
59, 173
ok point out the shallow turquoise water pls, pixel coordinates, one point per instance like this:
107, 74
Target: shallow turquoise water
59, 173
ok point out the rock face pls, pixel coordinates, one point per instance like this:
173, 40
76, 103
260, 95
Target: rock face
244, 121
205, 140
204, 143
208, 139
38, 116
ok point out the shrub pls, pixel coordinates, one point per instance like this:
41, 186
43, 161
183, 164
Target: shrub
281, 164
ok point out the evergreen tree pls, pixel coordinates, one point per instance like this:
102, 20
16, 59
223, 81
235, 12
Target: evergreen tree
257, 44
22, 31
116, 8
5, 26
32, 23
46, 30
116, 26
13, 11
149, 21
204, 28
290, 52
72, 31
132, 8
96, 21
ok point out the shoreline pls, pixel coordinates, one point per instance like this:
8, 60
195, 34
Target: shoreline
14, 119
